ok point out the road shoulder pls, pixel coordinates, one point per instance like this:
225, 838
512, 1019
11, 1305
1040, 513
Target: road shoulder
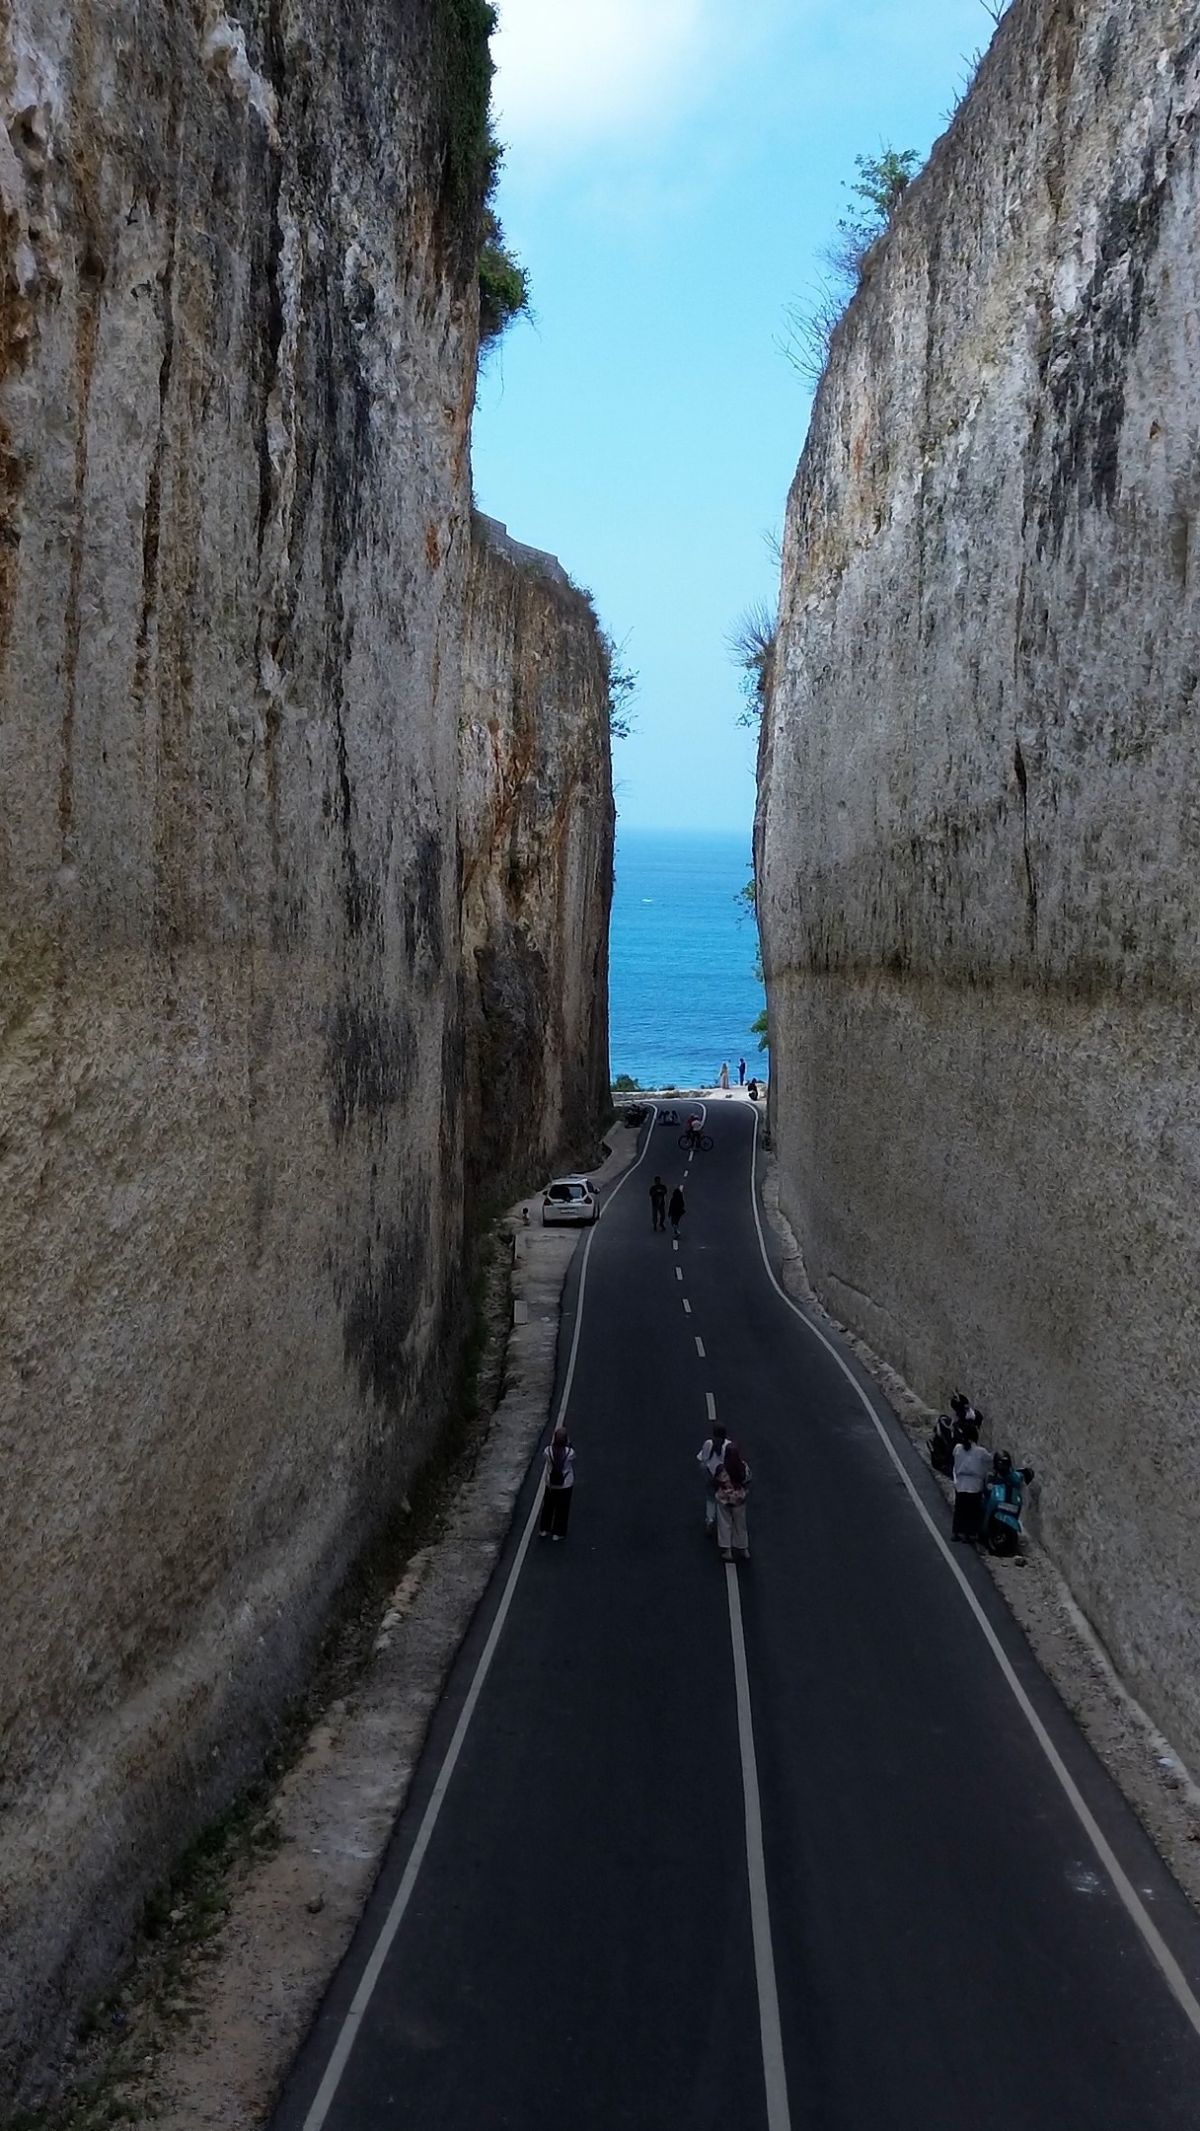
1151, 1776
222, 2049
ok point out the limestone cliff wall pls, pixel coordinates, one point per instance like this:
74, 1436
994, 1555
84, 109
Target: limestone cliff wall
537, 857
236, 376
979, 831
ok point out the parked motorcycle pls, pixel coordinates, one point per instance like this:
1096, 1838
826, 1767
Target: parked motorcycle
951, 1429
1002, 1531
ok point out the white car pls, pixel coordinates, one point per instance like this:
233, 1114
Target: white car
570, 1198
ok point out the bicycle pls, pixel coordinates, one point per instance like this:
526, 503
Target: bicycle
700, 1140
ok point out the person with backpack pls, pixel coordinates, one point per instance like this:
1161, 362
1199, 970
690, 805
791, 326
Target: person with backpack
658, 1203
732, 1482
557, 1487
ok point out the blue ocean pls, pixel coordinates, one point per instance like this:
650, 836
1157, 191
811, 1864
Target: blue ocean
682, 989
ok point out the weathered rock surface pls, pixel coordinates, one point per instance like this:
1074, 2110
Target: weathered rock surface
979, 835
537, 842
236, 377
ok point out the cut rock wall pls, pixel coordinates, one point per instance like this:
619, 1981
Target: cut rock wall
237, 368
978, 839
537, 857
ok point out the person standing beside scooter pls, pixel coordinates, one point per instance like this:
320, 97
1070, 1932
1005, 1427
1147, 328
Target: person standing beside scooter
972, 1464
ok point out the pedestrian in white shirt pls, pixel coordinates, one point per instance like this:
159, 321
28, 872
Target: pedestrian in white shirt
712, 1456
972, 1467
558, 1487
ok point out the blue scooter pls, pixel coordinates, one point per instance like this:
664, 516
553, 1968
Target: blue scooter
1002, 1531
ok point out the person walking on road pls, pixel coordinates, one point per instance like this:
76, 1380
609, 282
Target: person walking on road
676, 1210
558, 1486
732, 1481
741, 1072
658, 1203
723, 1075
711, 1455
972, 1464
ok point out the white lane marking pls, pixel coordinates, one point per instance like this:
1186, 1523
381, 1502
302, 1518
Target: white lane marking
348, 2034
710, 1405
687, 1307
679, 1272
774, 2069
1173, 1975
700, 1347
675, 1243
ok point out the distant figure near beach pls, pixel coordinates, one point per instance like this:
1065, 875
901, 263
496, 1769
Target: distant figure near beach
723, 1077
741, 1072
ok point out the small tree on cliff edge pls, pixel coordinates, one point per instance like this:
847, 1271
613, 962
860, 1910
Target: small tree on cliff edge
751, 644
622, 687
878, 189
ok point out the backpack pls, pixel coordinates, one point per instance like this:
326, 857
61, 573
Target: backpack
556, 1474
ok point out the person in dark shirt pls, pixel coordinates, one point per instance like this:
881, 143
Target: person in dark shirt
676, 1210
658, 1203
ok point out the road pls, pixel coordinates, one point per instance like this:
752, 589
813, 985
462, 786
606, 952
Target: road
808, 1842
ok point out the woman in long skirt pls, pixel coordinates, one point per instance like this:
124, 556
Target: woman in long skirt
733, 1479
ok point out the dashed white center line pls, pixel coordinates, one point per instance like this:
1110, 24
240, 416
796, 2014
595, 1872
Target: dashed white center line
675, 1244
711, 1404
687, 1307
700, 1346
679, 1272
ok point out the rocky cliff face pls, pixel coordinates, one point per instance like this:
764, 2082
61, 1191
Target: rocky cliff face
978, 836
236, 377
537, 852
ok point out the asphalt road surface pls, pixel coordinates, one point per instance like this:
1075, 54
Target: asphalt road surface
808, 1842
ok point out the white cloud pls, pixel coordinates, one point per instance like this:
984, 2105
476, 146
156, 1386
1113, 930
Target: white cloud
574, 72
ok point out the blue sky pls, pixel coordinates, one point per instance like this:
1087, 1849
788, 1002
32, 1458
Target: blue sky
673, 170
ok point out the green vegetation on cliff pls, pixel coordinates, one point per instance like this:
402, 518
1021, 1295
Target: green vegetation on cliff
876, 193
473, 156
